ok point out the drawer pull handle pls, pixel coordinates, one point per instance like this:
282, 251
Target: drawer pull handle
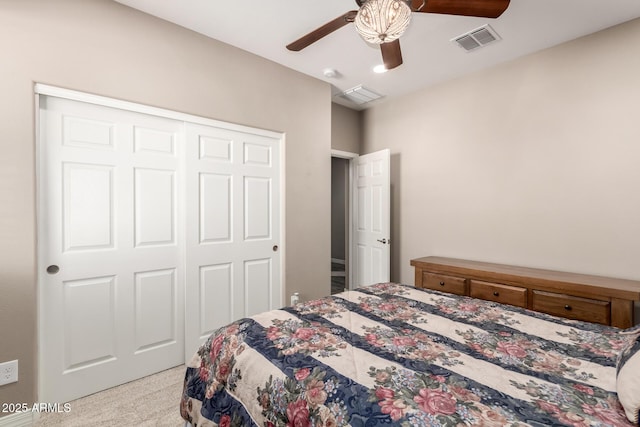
567, 307
441, 283
496, 293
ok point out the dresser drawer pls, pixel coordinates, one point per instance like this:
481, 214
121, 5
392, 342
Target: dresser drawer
590, 310
440, 282
504, 294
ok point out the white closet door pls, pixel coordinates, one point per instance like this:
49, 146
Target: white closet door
110, 241
232, 228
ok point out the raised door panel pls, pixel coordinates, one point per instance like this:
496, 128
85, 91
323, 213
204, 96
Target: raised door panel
154, 141
87, 207
88, 133
257, 154
363, 260
155, 309
155, 207
215, 149
257, 208
89, 328
258, 282
216, 286
216, 208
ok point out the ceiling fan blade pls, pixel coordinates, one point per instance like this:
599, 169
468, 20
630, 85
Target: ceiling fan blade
319, 33
391, 54
480, 8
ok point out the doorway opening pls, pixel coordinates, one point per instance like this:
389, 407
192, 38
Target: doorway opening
341, 173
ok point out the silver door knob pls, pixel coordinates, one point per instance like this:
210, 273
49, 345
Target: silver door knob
53, 269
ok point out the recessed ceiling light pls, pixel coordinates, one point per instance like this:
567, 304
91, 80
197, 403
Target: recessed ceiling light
380, 69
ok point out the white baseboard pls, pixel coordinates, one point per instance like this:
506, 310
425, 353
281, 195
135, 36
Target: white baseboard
19, 419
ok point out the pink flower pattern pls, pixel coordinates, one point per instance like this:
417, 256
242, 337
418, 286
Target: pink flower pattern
301, 401
295, 336
519, 350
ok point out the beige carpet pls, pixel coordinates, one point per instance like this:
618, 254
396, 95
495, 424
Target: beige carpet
150, 401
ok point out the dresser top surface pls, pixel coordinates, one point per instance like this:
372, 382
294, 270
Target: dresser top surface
631, 288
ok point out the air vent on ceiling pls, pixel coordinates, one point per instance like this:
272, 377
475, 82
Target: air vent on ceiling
477, 38
360, 95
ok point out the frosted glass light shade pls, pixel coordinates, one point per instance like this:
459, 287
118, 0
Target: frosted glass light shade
382, 21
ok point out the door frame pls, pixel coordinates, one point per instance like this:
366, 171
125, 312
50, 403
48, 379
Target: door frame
47, 90
351, 157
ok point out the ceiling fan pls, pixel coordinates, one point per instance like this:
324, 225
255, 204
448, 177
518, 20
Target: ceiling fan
383, 21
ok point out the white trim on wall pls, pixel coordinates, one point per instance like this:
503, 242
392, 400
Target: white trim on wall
19, 419
42, 89
343, 154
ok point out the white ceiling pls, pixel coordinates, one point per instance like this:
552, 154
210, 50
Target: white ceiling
265, 27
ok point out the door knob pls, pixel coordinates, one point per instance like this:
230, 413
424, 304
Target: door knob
53, 269
384, 241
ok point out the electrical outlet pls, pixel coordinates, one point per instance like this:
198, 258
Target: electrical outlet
9, 372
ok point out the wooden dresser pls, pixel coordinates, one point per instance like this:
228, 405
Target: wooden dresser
575, 296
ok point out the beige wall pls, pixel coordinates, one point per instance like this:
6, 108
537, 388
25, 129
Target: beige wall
534, 162
346, 132
101, 47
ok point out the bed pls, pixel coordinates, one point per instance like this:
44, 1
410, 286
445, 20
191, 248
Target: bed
390, 354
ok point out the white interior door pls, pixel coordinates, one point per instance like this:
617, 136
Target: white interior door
111, 276
233, 227
372, 207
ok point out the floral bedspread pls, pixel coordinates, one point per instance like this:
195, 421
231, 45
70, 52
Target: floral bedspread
390, 354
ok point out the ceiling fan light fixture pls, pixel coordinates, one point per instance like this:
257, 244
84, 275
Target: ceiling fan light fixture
382, 21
